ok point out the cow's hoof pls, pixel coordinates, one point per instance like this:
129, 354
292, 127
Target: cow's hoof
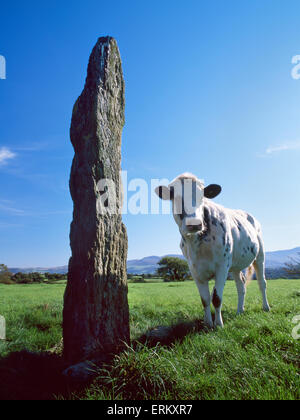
208, 325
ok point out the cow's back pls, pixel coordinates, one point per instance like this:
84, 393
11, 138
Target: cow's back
245, 230
242, 232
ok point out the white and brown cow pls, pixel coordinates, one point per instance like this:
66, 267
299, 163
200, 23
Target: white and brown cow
215, 240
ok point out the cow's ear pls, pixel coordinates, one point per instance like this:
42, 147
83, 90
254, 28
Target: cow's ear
212, 190
164, 193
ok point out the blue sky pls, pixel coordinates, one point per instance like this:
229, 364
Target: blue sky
208, 90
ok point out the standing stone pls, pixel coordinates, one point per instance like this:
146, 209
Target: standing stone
96, 315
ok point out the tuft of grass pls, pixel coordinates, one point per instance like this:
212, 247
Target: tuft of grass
135, 375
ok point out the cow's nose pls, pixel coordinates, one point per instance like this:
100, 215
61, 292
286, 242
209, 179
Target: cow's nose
194, 228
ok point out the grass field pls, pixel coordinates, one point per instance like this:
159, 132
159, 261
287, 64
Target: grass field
254, 357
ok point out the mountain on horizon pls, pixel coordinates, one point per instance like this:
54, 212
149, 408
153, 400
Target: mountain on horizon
275, 260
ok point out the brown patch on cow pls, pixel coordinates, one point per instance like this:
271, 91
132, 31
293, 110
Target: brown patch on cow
205, 252
216, 300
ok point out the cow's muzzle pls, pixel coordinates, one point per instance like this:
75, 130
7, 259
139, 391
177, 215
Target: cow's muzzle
194, 228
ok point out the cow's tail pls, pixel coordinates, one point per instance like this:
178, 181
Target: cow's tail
249, 274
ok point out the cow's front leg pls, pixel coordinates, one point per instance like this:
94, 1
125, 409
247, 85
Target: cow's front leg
205, 298
217, 296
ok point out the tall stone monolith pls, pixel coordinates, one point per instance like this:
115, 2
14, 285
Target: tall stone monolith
96, 315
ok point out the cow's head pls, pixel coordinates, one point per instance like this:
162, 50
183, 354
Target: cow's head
187, 194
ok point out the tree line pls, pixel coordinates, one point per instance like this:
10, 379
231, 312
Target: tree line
6, 277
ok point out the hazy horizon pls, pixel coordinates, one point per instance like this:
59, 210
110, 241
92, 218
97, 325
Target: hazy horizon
131, 259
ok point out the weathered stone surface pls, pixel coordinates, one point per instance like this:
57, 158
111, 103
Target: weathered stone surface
96, 315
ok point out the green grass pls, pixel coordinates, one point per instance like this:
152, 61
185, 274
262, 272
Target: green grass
33, 316
253, 357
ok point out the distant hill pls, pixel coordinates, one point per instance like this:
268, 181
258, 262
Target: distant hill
278, 259
147, 265
275, 262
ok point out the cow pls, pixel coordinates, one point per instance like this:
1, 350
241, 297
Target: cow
215, 241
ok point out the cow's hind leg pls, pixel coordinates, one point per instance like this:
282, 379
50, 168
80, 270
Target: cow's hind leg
259, 266
241, 289
217, 296
205, 298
